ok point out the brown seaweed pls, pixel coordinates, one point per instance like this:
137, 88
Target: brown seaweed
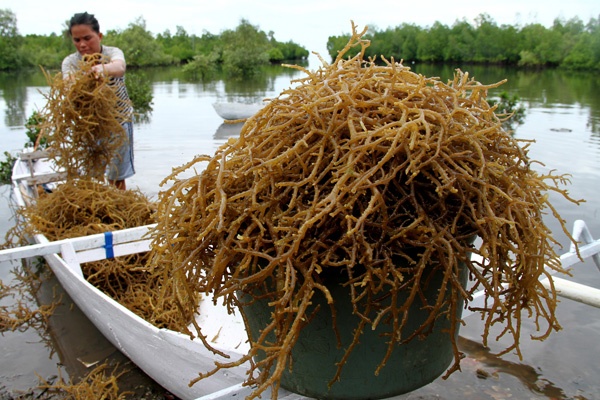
84, 207
82, 122
355, 167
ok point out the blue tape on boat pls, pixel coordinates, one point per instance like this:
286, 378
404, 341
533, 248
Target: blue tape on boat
108, 244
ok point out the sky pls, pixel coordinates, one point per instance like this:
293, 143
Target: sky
308, 22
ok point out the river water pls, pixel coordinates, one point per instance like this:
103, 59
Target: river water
562, 116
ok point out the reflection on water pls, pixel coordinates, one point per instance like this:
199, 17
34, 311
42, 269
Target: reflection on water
73, 344
562, 117
489, 366
551, 89
225, 130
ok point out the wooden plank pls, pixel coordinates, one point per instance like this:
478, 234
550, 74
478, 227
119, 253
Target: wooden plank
70, 257
97, 241
586, 251
34, 155
46, 178
119, 250
30, 177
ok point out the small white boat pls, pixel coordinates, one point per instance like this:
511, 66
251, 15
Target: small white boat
170, 358
235, 111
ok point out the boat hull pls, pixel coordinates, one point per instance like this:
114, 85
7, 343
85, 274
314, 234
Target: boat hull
236, 111
170, 358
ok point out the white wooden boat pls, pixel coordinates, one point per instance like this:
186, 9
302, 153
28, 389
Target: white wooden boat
171, 358
235, 111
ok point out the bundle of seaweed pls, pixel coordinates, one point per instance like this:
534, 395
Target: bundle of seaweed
357, 166
84, 207
97, 384
82, 121
20, 315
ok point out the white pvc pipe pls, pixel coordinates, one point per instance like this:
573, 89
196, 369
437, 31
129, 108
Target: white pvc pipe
574, 291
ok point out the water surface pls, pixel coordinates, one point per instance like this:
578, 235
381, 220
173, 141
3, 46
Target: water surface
563, 117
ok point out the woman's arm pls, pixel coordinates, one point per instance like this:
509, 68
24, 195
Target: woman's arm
114, 68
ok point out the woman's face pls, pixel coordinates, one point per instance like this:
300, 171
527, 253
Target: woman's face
85, 39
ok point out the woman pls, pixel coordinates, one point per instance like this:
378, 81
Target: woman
85, 33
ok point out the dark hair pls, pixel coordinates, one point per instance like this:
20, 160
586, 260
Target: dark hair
84, 19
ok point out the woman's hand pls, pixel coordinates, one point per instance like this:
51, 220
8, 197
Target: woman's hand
99, 71
114, 68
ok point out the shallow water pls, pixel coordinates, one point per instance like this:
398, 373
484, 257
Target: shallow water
563, 117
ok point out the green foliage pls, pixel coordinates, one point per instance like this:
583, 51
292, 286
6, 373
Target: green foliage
33, 124
207, 44
239, 52
139, 46
461, 41
10, 41
585, 53
242, 51
508, 107
567, 43
433, 43
203, 65
275, 55
288, 50
405, 42
140, 92
245, 49
6, 167
582, 56
46, 51
8, 24
181, 47
337, 43
541, 46
487, 47
528, 59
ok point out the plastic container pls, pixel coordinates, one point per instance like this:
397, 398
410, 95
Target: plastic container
315, 355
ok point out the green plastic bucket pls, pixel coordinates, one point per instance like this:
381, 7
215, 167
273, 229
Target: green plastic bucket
411, 365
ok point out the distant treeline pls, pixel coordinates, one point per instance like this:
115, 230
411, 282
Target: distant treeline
572, 43
239, 51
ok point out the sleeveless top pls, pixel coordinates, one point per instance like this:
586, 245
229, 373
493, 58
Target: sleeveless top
71, 64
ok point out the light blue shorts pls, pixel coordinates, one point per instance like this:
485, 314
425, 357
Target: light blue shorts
121, 166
